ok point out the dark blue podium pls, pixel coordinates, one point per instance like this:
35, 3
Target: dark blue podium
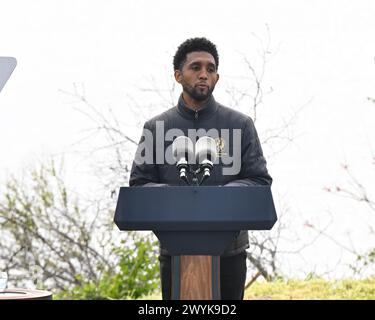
192, 221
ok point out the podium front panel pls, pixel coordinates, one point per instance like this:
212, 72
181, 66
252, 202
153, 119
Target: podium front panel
191, 208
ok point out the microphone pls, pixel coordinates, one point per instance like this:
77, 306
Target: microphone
205, 154
182, 149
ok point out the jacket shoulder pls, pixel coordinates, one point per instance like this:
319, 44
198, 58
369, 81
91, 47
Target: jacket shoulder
234, 116
164, 116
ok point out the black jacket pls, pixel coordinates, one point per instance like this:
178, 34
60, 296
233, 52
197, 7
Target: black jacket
252, 171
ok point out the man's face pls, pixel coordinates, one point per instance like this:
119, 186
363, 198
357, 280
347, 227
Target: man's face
198, 75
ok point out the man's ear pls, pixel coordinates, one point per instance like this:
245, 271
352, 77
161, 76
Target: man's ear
178, 75
217, 78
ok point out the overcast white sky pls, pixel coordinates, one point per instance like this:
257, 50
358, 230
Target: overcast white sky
322, 52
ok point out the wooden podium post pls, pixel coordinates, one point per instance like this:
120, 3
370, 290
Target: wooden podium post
195, 277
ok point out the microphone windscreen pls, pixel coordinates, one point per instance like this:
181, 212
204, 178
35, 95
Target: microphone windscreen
205, 149
182, 146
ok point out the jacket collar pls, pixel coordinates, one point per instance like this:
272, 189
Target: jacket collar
207, 110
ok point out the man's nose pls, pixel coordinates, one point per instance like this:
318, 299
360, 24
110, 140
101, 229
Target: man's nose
203, 74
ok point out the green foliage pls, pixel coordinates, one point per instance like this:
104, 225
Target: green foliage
137, 275
364, 261
311, 289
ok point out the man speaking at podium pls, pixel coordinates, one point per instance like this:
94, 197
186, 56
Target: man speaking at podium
240, 159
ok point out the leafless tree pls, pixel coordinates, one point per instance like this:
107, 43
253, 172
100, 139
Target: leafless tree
355, 190
47, 237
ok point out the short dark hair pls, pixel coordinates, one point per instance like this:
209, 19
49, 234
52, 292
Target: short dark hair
192, 45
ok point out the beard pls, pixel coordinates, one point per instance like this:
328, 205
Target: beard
197, 94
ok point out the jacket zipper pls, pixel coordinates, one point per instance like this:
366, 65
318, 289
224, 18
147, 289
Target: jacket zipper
195, 166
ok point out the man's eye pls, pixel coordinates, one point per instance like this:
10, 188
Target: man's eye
211, 69
195, 68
